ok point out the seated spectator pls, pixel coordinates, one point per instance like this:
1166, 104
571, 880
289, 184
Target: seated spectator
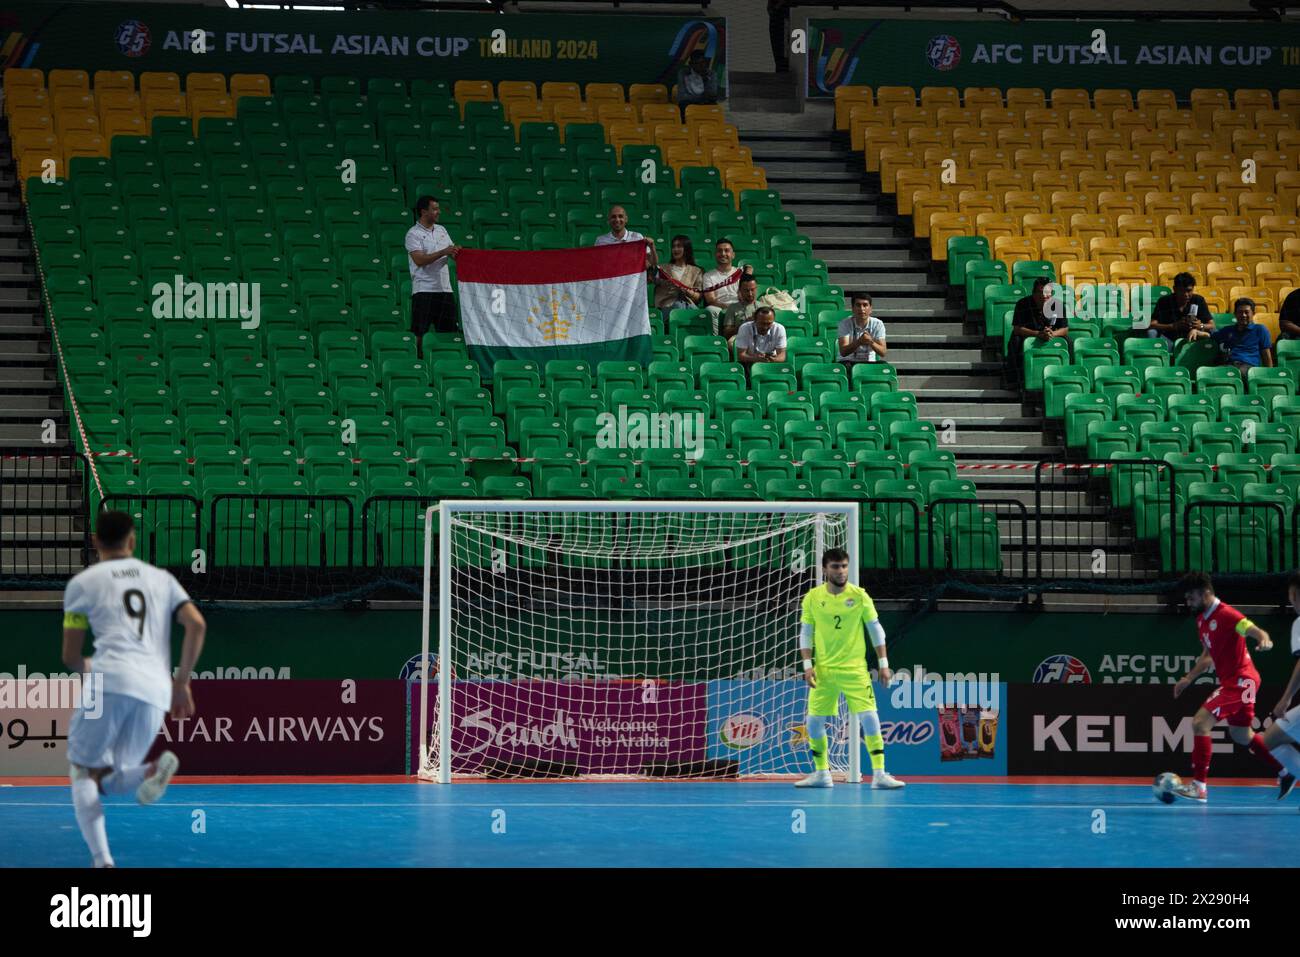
1180, 311
1247, 344
742, 310
678, 284
1032, 321
762, 339
721, 284
1288, 319
696, 83
861, 335
619, 233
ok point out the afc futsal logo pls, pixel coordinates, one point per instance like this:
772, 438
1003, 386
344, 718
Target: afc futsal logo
943, 52
1062, 670
132, 38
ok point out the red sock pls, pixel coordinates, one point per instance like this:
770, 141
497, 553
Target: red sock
1260, 750
1201, 750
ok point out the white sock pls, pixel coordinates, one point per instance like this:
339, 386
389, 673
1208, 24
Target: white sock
90, 818
1288, 757
125, 780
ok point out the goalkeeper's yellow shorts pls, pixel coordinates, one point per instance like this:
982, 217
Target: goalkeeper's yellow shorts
853, 683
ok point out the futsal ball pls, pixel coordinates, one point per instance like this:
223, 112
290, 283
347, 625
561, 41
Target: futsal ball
1164, 785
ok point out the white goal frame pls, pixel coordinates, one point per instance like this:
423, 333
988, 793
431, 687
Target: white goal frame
445, 510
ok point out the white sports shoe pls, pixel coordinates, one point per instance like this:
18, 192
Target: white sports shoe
155, 785
1192, 791
884, 781
818, 779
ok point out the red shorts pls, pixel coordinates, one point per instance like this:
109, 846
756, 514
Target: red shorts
1235, 702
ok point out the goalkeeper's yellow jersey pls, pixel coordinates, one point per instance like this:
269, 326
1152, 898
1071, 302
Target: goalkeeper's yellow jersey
838, 622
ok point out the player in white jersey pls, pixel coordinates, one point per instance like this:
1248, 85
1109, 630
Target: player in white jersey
128, 605
1283, 735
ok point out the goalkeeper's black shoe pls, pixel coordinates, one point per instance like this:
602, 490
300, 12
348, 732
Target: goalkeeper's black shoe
1285, 782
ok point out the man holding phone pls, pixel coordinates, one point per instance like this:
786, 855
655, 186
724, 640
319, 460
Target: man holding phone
762, 339
1180, 312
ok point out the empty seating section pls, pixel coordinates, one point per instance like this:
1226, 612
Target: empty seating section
1110, 195
305, 188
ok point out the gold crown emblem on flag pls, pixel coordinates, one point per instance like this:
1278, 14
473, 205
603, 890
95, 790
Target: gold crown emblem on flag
554, 316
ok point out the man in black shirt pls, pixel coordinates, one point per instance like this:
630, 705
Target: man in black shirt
1180, 311
1288, 319
1034, 320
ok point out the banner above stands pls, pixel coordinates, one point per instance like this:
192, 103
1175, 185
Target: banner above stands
1097, 54
441, 46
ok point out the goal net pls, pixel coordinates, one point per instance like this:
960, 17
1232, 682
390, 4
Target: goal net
648, 639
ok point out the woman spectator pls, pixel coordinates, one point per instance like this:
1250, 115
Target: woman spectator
678, 284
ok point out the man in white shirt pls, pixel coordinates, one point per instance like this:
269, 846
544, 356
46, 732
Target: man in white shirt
128, 605
429, 246
762, 339
619, 233
722, 283
861, 335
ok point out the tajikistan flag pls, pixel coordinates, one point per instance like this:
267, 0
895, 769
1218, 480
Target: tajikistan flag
587, 303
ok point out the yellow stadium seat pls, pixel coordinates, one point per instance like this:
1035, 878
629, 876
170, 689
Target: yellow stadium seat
159, 82
32, 163
1195, 140
118, 123
847, 97
1215, 297
926, 205
1088, 226
24, 78
1249, 141
1138, 226
1085, 119
249, 84
891, 96
1156, 99
1115, 203
738, 178
1069, 202
992, 118
1052, 180
1231, 227
1272, 122
118, 101
1159, 249
1130, 123
476, 90
937, 96
978, 97
1214, 161
699, 112
67, 80
641, 93
569, 111
976, 201
1269, 320
1171, 162
1061, 140
1112, 99
875, 140
894, 158
950, 116
1105, 250
1100, 140
1226, 120
1070, 99
1289, 140
1186, 226
1078, 161
611, 113
553, 91
523, 111
1122, 161
994, 226
1136, 181
1279, 228
1252, 99
903, 117
865, 119
1014, 249
1025, 98
655, 113
163, 104
975, 139
712, 133
70, 99
919, 137
1256, 204
1288, 99
984, 158
1043, 225
725, 155
31, 120
1152, 140
1228, 273
1188, 182
516, 90
84, 144
1057, 249
907, 182
1212, 204
27, 98
36, 142
626, 134
1167, 269
1140, 273
606, 93
1021, 201
75, 121
1076, 271
205, 105
669, 136
1099, 180
1252, 250
1031, 160
1006, 138
108, 80
944, 226
1042, 118
1263, 296
1205, 251
1268, 163
1277, 274
1176, 120
205, 83
1205, 101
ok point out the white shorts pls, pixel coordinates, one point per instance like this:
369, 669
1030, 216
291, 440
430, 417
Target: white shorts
1290, 723
119, 738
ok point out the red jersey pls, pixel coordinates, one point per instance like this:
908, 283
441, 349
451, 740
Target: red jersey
1223, 635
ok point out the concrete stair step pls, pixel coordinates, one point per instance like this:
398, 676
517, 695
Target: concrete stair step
43, 527
40, 562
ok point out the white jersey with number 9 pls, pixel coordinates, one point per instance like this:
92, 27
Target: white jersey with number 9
128, 606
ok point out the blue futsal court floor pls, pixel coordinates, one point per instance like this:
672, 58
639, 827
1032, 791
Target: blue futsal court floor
714, 824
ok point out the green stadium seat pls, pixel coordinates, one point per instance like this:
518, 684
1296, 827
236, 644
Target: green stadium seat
1081, 412
1106, 437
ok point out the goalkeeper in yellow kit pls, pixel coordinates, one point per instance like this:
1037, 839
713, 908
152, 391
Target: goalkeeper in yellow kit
834, 617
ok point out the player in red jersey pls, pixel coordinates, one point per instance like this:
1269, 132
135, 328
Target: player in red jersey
1223, 631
